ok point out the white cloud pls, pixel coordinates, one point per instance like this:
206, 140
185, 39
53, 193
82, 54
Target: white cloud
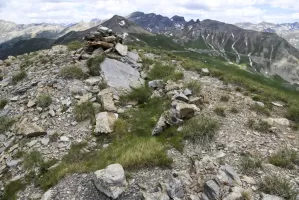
69, 11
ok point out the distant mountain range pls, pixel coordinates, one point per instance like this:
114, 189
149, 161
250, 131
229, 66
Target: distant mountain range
257, 51
289, 31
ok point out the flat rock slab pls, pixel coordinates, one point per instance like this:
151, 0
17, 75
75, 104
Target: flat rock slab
120, 76
121, 49
30, 129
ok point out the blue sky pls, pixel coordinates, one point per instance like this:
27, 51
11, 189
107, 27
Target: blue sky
69, 11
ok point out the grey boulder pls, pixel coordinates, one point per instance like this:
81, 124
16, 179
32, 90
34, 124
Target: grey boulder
30, 129
111, 180
105, 122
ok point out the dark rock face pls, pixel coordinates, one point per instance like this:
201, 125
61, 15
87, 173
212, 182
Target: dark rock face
156, 23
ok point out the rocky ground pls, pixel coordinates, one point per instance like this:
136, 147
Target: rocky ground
210, 171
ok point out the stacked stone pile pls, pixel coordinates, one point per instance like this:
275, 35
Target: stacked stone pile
102, 41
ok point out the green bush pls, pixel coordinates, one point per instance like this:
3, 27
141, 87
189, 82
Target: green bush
249, 163
220, 111
276, 185
234, 110
5, 123
71, 72
260, 110
11, 190
201, 128
141, 94
74, 45
18, 77
84, 111
32, 160
3, 103
93, 64
194, 86
224, 98
259, 125
44, 101
293, 113
286, 158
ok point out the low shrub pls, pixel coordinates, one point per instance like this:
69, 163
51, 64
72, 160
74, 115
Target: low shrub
72, 72
44, 101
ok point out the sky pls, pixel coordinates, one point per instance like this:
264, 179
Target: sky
71, 11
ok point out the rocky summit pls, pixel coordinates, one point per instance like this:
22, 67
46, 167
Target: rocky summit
110, 121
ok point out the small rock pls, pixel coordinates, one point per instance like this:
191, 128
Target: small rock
45, 141
30, 104
181, 97
186, 110
212, 190
174, 187
271, 197
205, 72
249, 180
155, 84
12, 163
47, 195
121, 49
261, 104
105, 122
52, 113
85, 98
30, 129
95, 80
14, 99
187, 92
196, 101
32, 143
64, 139
111, 180
278, 121
277, 104
228, 175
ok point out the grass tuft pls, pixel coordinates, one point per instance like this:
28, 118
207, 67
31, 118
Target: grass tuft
276, 185
201, 128
18, 77
165, 72
285, 158
220, 111
5, 123
11, 190
84, 111
260, 125
224, 98
3, 103
249, 163
44, 101
141, 94
293, 113
194, 86
74, 45
234, 110
260, 110
93, 64
72, 72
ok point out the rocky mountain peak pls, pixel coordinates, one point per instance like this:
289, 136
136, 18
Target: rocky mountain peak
177, 18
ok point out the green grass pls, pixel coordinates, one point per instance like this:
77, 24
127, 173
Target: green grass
5, 124
285, 158
220, 111
234, 110
261, 126
164, 72
84, 111
201, 128
3, 103
26, 63
44, 101
74, 45
93, 64
194, 86
131, 145
277, 185
141, 94
293, 113
260, 110
72, 72
32, 159
224, 98
12, 188
18, 77
250, 163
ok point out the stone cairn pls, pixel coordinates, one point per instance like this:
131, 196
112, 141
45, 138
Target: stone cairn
102, 41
